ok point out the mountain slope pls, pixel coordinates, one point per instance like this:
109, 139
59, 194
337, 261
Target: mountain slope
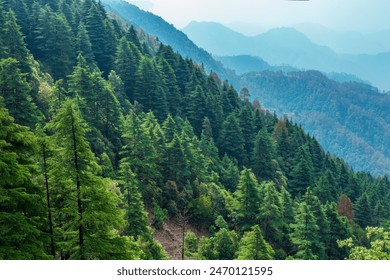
288, 46
349, 119
158, 134
166, 33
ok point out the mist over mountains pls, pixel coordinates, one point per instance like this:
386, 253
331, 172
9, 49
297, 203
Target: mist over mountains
282, 46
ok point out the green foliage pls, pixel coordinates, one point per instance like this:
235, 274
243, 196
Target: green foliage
87, 214
190, 245
248, 199
377, 250
22, 212
160, 215
254, 247
15, 91
270, 215
305, 235
262, 164
181, 152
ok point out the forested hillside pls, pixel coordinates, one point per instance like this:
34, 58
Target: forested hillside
105, 137
165, 32
349, 119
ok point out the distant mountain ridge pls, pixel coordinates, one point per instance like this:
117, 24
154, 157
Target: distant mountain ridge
351, 42
166, 33
289, 46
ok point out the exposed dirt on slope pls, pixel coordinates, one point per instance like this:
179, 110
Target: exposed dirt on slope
171, 237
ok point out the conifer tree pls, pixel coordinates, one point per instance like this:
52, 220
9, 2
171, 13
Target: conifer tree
16, 93
229, 173
22, 210
363, 213
270, 213
226, 244
100, 35
137, 220
301, 176
83, 44
44, 151
86, 204
140, 153
173, 96
54, 36
247, 195
262, 164
322, 222
231, 140
13, 42
338, 230
126, 64
253, 246
305, 233
148, 90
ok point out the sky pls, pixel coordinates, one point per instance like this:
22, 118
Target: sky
341, 15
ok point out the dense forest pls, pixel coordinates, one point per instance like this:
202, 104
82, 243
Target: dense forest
106, 136
349, 119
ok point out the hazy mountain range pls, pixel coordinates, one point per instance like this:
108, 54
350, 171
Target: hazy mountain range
280, 83
282, 46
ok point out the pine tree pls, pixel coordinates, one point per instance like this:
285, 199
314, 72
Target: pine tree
148, 90
132, 36
137, 220
305, 233
262, 164
338, 230
54, 36
126, 64
247, 195
44, 160
226, 244
86, 204
16, 93
83, 44
13, 42
173, 96
254, 247
231, 139
229, 174
22, 211
302, 173
270, 213
363, 212
101, 36
322, 222
140, 153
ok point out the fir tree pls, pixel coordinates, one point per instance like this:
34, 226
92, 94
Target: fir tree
270, 213
363, 213
247, 195
126, 64
305, 233
16, 93
262, 164
86, 203
231, 140
254, 247
22, 210
137, 220
13, 42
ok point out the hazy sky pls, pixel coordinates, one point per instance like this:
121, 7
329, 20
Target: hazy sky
341, 15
